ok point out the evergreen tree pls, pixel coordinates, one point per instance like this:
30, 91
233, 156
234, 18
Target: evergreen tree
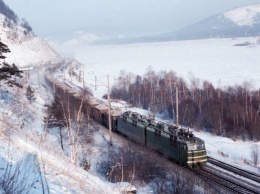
26, 25
8, 73
30, 94
55, 116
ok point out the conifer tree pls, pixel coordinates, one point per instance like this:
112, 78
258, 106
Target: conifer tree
55, 117
8, 73
30, 94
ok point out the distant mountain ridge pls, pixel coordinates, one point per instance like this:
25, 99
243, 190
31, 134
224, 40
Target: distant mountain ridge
26, 48
238, 22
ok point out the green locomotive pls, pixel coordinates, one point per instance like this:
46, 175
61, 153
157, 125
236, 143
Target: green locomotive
176, 143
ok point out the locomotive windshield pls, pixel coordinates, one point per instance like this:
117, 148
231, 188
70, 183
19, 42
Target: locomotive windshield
197, 146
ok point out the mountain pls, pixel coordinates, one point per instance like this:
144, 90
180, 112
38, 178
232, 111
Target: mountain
238, 22
26, 48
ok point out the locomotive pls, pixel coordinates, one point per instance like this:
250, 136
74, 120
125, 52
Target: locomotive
176, 143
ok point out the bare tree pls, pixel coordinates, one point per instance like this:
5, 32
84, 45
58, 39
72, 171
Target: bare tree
131, 164
255, 155
15, 179
30, 94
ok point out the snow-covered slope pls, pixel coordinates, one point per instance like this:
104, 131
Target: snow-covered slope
26, 48
244, 16
42, 166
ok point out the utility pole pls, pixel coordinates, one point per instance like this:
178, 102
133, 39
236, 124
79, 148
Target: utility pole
83, 80
109, 113
38, 74
109, 107
95, 82
177, 107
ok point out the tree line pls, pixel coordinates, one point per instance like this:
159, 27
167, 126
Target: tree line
231, 111
5, 10
11, 18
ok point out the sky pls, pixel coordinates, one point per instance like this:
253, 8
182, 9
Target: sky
130, 18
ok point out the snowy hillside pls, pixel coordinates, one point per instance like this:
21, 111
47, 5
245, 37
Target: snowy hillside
26, 48
33, 157
244, 16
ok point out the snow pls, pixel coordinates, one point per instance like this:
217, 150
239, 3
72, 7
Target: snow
244, 16
236, 153
81, 37
35, 51
26, 49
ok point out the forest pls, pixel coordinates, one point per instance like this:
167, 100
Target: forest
229, 111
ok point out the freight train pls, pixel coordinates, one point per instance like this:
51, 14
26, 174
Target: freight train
179, 144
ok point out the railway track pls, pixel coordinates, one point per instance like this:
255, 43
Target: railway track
249, 175
224, 181
232, 178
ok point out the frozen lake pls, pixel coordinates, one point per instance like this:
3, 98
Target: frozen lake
215, 60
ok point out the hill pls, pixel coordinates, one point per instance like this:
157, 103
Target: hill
239, 22
26, 48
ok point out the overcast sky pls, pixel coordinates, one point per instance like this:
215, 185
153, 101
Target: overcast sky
135, 17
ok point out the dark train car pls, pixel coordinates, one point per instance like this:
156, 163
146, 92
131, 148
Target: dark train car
92, 102
159, 140
131, 125
98, 112
114, 119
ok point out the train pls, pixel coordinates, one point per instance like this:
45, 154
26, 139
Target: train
175, 142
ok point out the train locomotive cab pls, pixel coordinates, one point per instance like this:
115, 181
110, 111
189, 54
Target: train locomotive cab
195, 151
